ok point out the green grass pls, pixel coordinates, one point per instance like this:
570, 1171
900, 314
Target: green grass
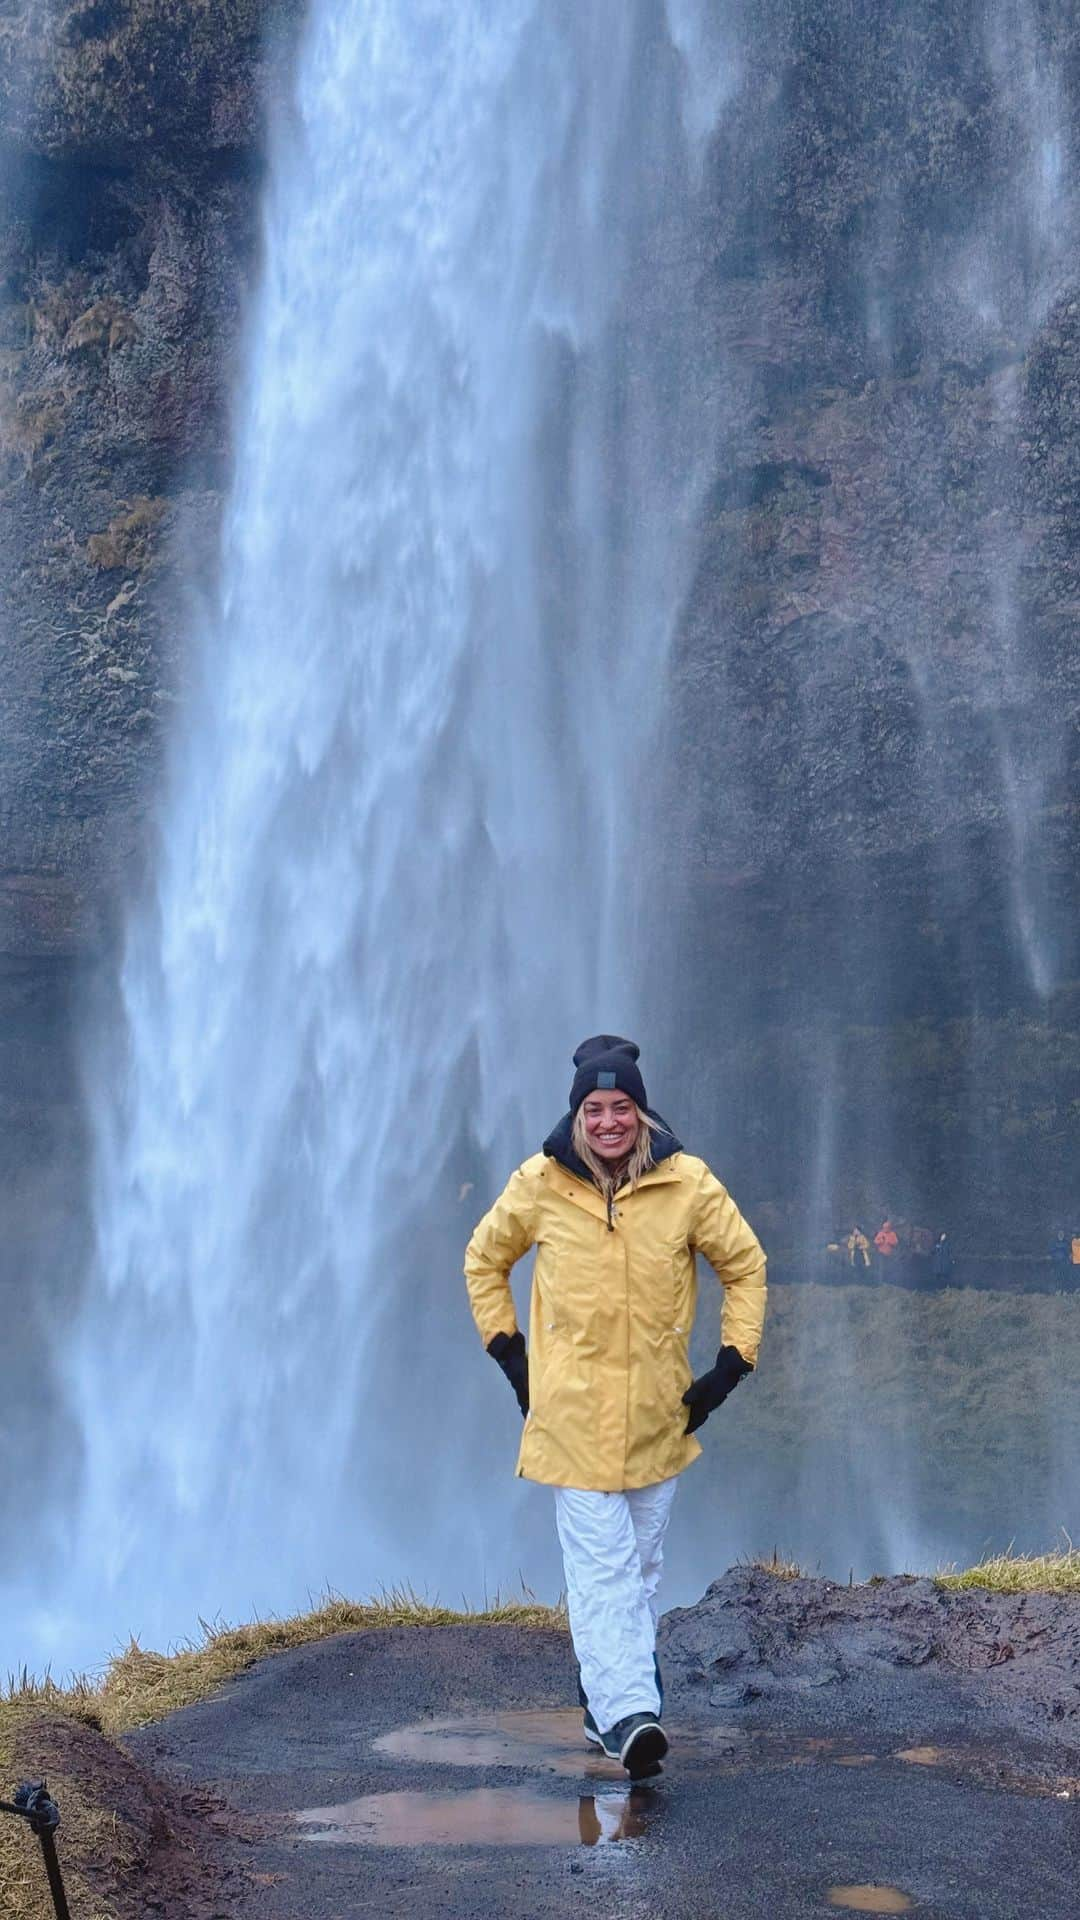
1056, 1572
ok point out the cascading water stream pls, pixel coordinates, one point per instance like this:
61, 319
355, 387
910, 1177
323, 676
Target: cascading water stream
1015, 291
406, 841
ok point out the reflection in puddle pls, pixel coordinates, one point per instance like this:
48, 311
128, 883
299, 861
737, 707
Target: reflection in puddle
924, 1756
871, 1899
547, 1737
484, 1816
552, 1739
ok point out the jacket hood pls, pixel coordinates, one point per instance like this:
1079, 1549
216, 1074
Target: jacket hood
559, 1145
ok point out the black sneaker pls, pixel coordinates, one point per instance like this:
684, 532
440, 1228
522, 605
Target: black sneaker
639, 1742
590, 1728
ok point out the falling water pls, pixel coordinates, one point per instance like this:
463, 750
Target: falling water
406, 839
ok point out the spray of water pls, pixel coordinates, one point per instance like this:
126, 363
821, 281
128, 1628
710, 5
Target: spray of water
976, 295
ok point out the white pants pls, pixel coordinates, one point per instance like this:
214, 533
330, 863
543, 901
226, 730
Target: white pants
613, 1555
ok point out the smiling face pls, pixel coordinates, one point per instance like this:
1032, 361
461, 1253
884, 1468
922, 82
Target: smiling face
611, 1124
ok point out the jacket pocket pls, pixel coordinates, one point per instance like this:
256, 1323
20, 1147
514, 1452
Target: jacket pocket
681, 1371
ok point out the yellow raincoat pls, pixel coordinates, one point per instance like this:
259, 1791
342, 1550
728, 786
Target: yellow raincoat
611, 1312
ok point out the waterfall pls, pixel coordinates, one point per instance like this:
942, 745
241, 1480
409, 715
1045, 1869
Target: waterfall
406, 837
645, 601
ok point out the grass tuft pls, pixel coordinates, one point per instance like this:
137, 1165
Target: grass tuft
779, 1565
140, 1685
1055, 1572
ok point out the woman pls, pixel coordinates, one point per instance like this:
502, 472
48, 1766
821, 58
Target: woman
617, 1211
858, 1250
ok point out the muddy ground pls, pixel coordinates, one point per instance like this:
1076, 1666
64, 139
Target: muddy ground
887, 1748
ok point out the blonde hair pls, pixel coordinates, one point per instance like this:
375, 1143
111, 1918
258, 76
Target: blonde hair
640, 1159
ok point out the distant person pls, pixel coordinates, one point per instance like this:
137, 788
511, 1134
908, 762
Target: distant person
858, 1250
616, 1211
1060, 1249
886, 1240
943, 1257
1075, 1245
922, 1241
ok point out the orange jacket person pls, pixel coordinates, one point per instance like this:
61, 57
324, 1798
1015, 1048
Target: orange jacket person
885, 1240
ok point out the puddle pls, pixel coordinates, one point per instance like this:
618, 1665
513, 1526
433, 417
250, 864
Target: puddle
871, 1899
988, 1769
548, 1738
798, 1750
482, 1816
552, 1740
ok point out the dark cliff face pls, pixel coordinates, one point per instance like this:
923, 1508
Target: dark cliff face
128, 189
890, 555
875, 678
130, 136
114, 82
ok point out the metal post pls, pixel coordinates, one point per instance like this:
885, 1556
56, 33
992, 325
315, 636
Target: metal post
34, 1804
56, 1885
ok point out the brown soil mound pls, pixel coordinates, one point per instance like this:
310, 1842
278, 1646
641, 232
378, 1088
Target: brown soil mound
129, 1844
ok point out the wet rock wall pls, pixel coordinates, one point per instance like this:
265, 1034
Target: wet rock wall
130, 158
877, 677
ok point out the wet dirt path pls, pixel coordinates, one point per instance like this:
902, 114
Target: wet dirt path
439, 1773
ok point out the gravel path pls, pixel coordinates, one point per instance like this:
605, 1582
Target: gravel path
439, 1772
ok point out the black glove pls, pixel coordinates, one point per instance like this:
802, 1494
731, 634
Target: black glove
704, 1395
509, 1350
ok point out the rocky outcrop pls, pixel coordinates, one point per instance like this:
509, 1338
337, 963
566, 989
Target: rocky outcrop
890, 567
115, 82
753, 1633
130, 163
129, 166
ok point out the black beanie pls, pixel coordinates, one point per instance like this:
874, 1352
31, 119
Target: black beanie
606, 1062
